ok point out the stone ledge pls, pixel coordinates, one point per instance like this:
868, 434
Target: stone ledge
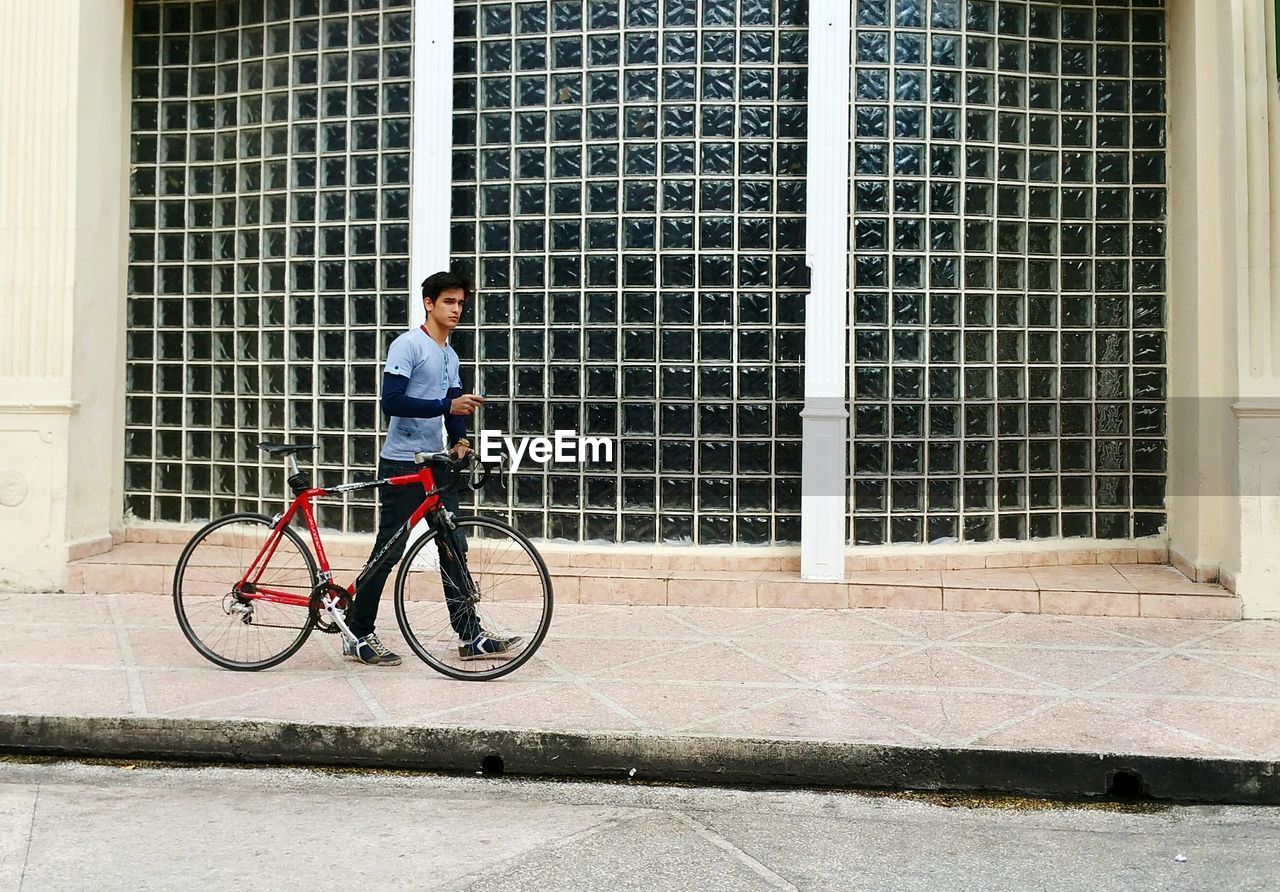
1099, 590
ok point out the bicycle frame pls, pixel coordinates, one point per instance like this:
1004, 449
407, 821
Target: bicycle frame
248, 585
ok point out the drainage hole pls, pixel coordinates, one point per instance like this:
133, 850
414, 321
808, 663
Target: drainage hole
1125, 783
492, 766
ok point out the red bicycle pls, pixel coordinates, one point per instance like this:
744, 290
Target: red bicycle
248, 591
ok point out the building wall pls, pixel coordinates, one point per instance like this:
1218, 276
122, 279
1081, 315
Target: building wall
62, 69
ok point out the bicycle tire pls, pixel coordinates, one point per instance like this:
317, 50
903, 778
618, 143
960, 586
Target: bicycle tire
498, 667
180, 593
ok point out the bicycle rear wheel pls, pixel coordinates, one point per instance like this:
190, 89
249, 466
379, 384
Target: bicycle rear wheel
499, 588
227, 627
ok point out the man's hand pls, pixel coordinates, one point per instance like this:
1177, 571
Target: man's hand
465, 404
460, 450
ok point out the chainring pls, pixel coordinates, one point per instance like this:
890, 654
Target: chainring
323, 623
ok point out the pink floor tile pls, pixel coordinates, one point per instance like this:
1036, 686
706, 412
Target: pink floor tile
591, 656
717, 621
930, 624
1179, 674
1252, 729
551, 707
606, 621
1157, 578
821, 627
296, 696
669, 707
1083, 578
811, 715
155, 648
950, 717
705, 662
821, 661
56, 608
174, 689
1010, 578
1257, 635
147, 610
416, 695
917, 578
1072, 669
1044, 630
62, 645
1262, 665
1090, 603
1163, 632
941, 668
49, 690
1093, 727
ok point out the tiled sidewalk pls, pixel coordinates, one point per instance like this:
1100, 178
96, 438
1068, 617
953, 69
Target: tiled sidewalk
1016, 681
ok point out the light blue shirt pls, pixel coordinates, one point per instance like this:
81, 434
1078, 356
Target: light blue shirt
431, 370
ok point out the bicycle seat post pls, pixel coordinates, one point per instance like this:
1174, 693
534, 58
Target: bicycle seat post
295, 482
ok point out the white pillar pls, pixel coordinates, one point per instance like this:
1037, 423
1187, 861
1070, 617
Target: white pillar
824, 500
63, 90
432, 176
1224, 298
1257, 412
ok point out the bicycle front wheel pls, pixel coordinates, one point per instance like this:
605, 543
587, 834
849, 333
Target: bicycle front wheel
473, 602
228, 627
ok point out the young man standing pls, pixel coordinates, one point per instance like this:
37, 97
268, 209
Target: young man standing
422, 394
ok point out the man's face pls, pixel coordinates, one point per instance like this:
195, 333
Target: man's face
446, 309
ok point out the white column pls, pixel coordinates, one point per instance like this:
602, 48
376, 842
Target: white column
429, 201
62, 225
1257, 411
823, 500
1224, 298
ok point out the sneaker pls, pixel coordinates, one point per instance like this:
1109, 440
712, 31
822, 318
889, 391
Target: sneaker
370, 651
485, 646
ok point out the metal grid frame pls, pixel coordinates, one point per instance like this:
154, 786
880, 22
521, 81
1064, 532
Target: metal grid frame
628, 186
1008, 234
268, 246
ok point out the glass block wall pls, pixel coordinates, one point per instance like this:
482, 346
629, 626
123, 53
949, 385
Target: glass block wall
629, 192
1009, 203
268, 246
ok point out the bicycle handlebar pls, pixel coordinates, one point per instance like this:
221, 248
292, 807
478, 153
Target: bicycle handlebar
462, 470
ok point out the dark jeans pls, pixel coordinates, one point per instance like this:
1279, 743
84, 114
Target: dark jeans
398, 504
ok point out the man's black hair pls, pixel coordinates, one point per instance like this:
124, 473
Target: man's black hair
437, 284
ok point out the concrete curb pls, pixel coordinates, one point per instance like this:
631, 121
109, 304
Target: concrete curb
645, 757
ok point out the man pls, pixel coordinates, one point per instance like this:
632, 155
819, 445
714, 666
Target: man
422, 394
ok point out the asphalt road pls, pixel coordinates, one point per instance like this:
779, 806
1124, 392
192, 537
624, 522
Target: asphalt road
100, 827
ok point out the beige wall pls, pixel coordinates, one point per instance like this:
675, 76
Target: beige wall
62, 205
1202, 284
95, 477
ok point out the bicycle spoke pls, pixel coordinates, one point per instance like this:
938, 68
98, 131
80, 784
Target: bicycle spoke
237, 631
499, 589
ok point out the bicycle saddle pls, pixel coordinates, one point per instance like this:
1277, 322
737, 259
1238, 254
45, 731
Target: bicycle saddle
285, 448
